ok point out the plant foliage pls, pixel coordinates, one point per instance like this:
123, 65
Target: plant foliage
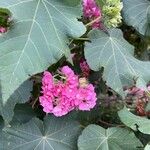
97, 138
73, 74
38, 38
51, 134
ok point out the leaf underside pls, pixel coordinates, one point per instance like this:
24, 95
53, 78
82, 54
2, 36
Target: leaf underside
136, 13
53, 133
37, 39
134, 122
116, 55
95, 137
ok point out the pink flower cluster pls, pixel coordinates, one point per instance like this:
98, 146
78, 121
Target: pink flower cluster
60, 96
138, 92
91, 11
140, 98
3, 30
85, 68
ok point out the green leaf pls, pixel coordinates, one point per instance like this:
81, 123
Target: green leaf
136, 13
1, 123
37, 39
147, 147
134, 122
53, 133
21, 95
115, 54
86, 117
95, 137
1, 134
4, 12
23, 113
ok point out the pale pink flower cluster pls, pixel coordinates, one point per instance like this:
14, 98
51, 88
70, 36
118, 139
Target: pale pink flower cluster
3, 30
59, 97
138, 92
84, 68
91, 11
141, 99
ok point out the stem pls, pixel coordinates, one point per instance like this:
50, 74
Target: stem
70, 42
33, 105
109, 124
63, 77
36, 77
82, 126
55, 75
82, 39
148, 93
93, 21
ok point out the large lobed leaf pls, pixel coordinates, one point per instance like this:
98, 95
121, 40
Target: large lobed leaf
115, 54
52, 134
136, 13
23, 113
95, 137
21, 95
147, 147
37, 39
1, 135
134, 122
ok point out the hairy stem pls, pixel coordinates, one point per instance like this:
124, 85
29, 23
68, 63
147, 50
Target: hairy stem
93, 21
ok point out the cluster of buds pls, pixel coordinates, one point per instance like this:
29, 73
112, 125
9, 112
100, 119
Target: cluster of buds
84, 68
109, 14
112, 13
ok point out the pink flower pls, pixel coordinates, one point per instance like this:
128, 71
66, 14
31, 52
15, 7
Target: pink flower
67, 71
46, 102
85, 68
47, 79
57, 88
3, 30
64, 106
136, 91
69, 92
59, 97
86, 98
71, 78
91, 11
47, 84
58, 111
